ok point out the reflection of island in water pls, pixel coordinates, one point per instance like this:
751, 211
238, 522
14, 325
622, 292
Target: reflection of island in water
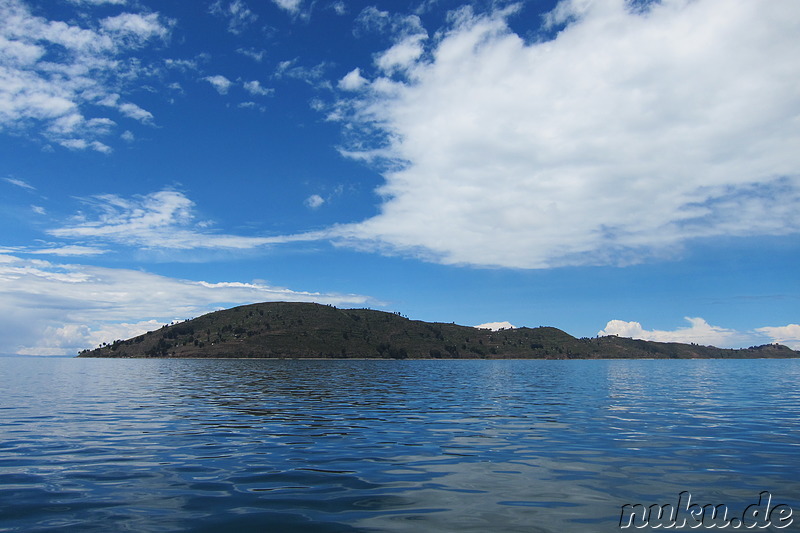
373, 441
307, 330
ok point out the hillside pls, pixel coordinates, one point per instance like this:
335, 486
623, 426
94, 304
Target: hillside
307, 330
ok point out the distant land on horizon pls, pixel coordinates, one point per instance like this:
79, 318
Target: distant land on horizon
309, 330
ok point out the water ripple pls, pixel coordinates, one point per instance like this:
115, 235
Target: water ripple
341, 446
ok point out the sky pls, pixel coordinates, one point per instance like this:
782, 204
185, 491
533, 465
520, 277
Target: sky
606, 167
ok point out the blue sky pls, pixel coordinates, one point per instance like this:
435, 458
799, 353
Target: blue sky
604, 167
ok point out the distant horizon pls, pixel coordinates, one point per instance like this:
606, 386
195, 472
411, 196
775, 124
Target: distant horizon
280, 330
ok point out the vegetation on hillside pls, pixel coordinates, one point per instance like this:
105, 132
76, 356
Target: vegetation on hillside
307, 330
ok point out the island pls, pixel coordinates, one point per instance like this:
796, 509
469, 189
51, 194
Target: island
309, 330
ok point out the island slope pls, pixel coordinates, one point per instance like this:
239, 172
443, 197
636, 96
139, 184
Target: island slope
308, 330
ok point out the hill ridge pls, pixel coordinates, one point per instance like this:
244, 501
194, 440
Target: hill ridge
310, 330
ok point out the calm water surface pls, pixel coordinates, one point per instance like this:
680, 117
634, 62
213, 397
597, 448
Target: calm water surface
324, 446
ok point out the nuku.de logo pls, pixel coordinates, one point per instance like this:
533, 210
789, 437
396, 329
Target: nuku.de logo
692, 515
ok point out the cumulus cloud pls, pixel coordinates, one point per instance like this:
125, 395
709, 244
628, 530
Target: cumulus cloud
402, 55
51, 308
314, 201
136, 29
788, 335
50, 98
352, 81
699, 332
255, 88
160, 220
496, 326
339, 7
252, 53
619, 135
220, 83
135, 112
83, 144
292, 6
251, 105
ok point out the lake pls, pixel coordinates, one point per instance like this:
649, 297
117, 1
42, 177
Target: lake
396, 446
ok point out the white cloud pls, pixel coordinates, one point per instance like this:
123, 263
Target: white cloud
699, 332
136, 29
252, 53
94, 62
99, 2
160, 220
237, 13
66, 340
314, 201
353, 81
255, 88
626, 135
182, 65
39, 210
135, 112
20, 183
68, 251
373, 19
310, 75
220, 83
251, 105
339, 7
292, 6
788, 335
495, 326
402, 55
82, 144
52, 308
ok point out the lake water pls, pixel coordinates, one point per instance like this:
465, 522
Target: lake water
422, 446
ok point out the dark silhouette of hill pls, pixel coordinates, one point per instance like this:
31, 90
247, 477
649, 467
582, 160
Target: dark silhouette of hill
307, 330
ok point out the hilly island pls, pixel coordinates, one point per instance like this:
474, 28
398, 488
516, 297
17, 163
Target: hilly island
308, 330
